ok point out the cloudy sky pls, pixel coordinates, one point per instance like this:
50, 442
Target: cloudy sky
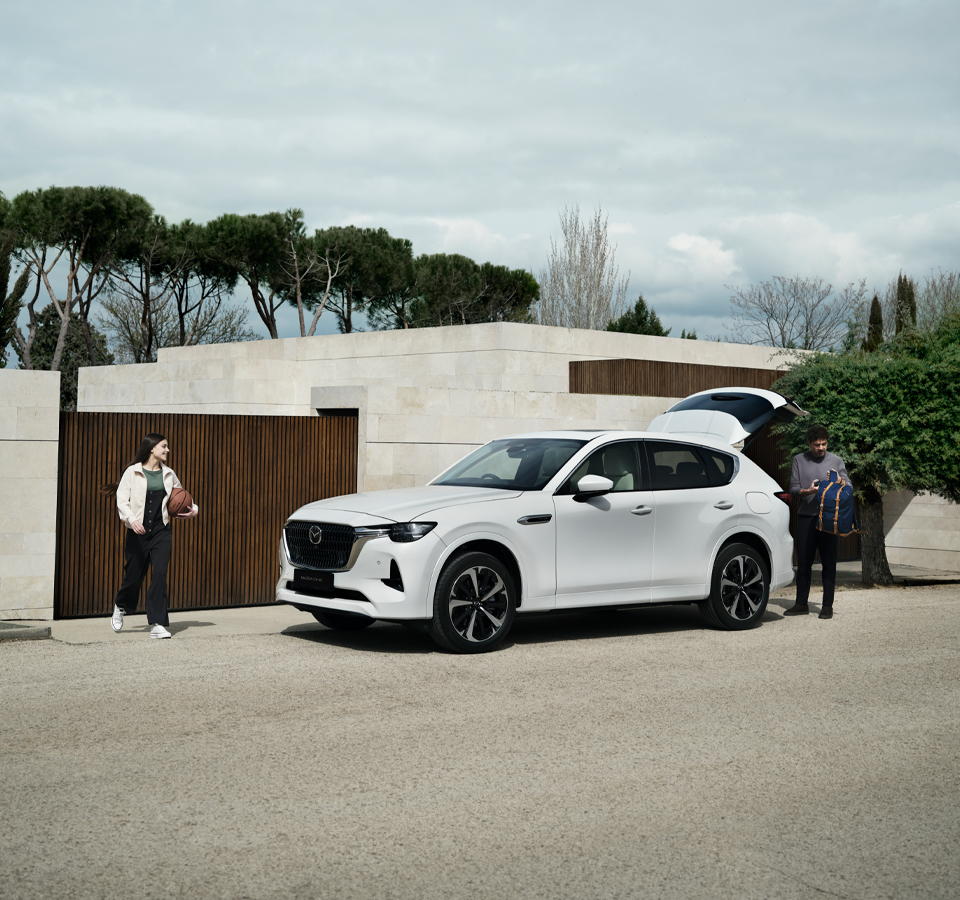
728, 142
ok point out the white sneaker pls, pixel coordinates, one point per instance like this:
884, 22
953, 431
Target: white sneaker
158, 631
116, 622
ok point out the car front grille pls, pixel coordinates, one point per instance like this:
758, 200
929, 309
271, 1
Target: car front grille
332, 551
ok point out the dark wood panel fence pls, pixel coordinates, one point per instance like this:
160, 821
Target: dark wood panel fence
653, 378
246, 473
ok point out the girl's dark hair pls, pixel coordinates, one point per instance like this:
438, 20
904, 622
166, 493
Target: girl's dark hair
143, 454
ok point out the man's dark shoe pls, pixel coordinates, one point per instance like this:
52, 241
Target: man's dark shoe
801, 609
826, 613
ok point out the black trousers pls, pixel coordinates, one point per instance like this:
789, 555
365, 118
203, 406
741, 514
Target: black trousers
140, 552
809, 541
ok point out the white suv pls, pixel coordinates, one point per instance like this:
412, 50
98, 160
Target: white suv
557, 520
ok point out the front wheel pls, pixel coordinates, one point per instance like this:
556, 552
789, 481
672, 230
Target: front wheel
739, 589
474, 605
340, 621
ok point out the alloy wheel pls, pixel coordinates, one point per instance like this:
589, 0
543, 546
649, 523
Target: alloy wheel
741, 587
478, 604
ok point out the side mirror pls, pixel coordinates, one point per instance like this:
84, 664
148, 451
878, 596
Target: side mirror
592, 486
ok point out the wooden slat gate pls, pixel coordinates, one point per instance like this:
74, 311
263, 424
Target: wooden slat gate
246, 473
653, 378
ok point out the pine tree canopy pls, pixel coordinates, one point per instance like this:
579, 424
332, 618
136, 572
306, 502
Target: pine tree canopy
640, 320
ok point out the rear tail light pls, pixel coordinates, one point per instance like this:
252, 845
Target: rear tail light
784, 497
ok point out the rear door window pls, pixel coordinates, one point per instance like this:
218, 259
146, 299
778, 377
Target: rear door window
676, 467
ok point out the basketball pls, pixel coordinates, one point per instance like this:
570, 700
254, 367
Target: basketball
180, 501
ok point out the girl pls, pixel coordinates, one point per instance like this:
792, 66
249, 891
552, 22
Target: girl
142, 495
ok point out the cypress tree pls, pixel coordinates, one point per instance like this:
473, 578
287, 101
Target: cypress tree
901, 302
906, 303
875, 329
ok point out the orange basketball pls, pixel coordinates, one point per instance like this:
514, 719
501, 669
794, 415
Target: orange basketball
180, 501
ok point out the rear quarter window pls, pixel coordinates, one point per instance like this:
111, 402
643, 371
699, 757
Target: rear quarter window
721, 467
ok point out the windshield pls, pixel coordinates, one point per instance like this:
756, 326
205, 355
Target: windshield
519, 464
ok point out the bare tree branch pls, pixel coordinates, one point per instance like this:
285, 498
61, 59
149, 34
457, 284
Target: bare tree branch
580, 286
795, 313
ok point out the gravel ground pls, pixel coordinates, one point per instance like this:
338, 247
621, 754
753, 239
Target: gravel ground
597, 755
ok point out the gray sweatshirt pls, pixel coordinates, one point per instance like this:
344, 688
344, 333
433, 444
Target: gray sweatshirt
806, 469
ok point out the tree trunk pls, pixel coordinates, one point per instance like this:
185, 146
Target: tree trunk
61, 340
875, 568
88, 339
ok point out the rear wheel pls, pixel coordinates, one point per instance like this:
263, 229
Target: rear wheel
341, 621
739, 589
474, 605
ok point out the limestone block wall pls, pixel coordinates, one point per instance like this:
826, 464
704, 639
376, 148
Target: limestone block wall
276, 377
922, 531
29, 434
410, 434
426, 396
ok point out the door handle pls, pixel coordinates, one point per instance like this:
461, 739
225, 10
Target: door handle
723, 504
642, 511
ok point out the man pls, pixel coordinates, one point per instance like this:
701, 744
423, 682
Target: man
809, 469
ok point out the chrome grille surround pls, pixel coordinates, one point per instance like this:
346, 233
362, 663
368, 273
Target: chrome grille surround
337, 550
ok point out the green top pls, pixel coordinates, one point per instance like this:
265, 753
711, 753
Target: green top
154, 479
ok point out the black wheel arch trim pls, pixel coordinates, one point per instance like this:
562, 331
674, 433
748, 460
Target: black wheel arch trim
751, 539
497, 550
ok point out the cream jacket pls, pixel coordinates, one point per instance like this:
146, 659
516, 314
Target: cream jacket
132, 494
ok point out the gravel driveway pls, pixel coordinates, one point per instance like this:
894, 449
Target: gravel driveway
596, 755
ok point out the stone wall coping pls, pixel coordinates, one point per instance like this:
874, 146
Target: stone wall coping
486, 337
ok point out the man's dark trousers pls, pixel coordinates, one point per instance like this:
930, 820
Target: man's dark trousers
140, 552
809, 541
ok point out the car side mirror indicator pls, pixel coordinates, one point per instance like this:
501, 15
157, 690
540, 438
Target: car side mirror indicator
592, 486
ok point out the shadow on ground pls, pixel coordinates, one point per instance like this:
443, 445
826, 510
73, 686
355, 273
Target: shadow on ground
177, 627
536, 628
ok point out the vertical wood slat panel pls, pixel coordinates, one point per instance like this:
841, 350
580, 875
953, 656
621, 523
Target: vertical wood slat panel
654, 378
247, 473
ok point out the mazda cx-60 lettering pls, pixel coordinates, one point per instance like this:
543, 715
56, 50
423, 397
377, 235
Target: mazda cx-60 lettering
557, 520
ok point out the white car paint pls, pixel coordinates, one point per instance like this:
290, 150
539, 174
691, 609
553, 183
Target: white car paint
587, 554
694, 424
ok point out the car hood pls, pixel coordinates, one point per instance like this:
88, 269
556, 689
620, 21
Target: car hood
401, 504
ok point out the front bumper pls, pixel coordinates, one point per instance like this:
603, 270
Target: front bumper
363, 589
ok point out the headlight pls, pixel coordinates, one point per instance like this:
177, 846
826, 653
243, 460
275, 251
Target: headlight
405, 532
401, 532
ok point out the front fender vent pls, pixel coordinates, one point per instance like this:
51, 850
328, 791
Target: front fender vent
394, 581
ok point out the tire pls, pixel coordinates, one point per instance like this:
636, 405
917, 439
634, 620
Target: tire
340, 621
474, 605
739, 589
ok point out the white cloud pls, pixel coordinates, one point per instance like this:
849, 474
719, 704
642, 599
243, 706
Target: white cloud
469, 237
704, 258
725, 149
